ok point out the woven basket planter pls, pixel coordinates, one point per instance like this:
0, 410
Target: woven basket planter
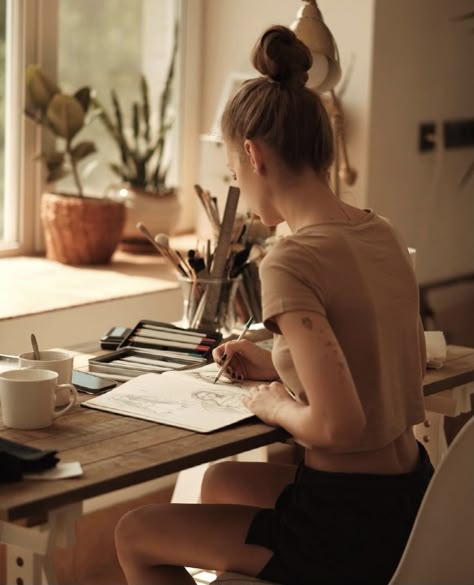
81, 230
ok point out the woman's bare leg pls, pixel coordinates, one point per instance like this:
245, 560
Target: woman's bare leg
246, 482
155, 542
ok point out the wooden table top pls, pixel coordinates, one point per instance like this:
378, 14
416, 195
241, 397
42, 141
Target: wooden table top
458, 369
117, 451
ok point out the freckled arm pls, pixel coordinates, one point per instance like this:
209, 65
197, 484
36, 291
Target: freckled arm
334, 415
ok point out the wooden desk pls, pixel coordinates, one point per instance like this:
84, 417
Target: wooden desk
458, 369
117, 452
448, 393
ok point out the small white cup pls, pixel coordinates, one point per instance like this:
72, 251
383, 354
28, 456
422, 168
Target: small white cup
28, 398
55, 360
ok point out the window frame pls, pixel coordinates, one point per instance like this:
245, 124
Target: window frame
32, 38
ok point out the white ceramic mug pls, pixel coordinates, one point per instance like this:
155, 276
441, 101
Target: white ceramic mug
28, 398
52, 359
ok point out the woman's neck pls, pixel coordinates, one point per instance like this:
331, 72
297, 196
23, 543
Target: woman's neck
307, 199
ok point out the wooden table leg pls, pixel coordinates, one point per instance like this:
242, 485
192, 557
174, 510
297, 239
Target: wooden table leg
29, 549
431, 434
446, 403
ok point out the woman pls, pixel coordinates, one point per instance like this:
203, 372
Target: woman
344, 378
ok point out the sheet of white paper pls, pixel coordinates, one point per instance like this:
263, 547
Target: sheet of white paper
61, 471
186, 399
436, 349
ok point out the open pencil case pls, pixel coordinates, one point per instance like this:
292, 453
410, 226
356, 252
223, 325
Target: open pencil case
154, 346
148, 334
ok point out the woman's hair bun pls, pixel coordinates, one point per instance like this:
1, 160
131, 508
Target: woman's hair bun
282, 57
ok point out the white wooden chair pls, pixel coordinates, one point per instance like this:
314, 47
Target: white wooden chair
440, 549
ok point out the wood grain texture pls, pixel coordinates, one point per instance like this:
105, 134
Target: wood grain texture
117, 451
457, 370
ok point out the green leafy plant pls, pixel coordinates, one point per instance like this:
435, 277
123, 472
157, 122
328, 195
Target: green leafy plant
64, 116
141, 149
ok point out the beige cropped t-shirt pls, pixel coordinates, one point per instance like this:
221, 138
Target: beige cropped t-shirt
360, 277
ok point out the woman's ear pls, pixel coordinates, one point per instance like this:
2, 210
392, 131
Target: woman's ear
254, 153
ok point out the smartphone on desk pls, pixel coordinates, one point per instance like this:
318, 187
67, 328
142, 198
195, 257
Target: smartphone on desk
90, 384
113, 338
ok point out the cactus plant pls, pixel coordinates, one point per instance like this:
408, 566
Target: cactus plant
141, 154
64, 116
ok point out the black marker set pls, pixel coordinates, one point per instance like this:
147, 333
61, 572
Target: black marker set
153, 346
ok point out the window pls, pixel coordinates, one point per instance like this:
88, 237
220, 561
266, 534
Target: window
107, 45
104, 45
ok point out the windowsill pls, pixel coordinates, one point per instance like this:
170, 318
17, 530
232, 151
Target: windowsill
30, 285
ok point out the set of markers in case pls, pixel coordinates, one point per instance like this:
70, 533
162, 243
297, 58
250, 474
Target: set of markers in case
153, 346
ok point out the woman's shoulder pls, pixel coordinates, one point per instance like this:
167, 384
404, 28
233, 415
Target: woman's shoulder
309, 242
294, 256
288, 249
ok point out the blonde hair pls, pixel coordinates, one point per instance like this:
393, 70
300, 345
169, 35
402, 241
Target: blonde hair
278, 107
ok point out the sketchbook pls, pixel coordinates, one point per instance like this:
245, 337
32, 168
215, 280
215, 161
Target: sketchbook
186, 399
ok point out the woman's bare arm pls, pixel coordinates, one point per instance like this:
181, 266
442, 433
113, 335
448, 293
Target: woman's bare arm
333, 416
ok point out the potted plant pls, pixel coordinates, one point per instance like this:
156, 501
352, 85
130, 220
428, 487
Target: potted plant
78, 229
142, 170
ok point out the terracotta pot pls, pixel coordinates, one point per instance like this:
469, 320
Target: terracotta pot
159, 212
81, 230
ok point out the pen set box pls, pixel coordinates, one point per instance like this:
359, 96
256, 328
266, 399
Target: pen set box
153, 346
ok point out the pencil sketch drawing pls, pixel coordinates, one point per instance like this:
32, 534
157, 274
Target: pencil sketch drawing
188, 400
143, 403
211, 400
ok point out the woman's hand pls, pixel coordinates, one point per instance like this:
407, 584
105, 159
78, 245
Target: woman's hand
248, 361
266, 400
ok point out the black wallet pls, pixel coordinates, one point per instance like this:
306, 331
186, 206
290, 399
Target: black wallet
17, 459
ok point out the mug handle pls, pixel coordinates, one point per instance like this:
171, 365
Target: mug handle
72, 396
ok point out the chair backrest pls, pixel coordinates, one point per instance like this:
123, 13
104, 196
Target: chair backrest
440, 549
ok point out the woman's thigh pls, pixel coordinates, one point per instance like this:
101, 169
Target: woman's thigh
193, 535
246, 482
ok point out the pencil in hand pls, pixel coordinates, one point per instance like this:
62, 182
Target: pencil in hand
227, 359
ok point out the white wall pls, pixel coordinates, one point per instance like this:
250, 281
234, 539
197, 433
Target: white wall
410, 64
423, 71
79, 325
231, 28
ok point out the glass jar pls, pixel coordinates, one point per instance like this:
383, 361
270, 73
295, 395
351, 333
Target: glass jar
209, 303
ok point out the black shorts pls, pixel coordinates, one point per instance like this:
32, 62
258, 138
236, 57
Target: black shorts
340, 528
